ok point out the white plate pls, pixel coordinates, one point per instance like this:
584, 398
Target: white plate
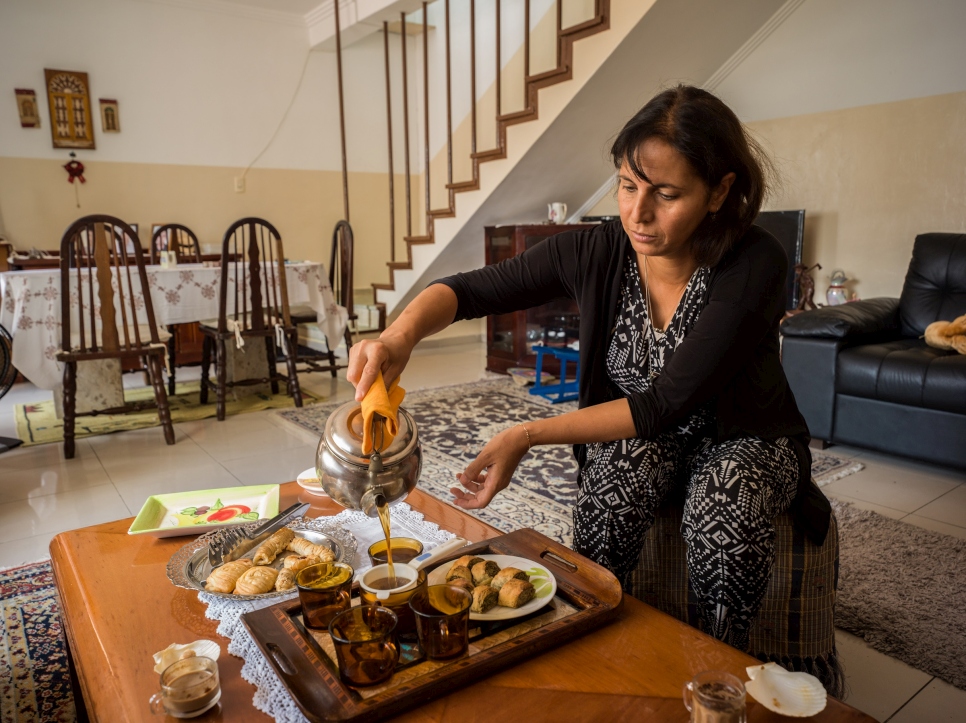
542, 579
309, 481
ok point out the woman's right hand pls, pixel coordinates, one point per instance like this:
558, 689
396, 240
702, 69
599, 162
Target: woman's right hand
389, 353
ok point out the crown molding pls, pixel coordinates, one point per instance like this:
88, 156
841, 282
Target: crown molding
770, 26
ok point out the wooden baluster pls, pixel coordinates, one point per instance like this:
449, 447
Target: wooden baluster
526, 54
449, 105
338, 62
426, 107
392, 191
473, 76
559, 29
405, 76
499, 67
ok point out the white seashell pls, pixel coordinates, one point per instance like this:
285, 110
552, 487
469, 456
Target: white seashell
797, 695
174, 652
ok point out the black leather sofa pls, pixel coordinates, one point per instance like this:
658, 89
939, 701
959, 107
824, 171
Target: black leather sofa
863, 375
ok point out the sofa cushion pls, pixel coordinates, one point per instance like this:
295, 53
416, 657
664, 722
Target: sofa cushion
906, 371
935, 286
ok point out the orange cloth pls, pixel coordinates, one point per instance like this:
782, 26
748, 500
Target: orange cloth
384, 402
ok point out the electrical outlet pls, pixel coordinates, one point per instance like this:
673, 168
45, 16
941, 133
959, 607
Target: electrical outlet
239, 184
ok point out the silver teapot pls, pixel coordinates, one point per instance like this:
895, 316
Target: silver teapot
356, 480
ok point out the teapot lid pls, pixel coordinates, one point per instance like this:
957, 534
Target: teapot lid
343, 436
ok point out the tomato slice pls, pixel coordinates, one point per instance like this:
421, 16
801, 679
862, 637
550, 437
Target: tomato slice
227, 512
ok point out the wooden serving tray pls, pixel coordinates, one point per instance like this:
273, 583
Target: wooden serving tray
588, 596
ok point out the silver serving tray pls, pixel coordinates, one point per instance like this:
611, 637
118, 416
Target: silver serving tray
189, 567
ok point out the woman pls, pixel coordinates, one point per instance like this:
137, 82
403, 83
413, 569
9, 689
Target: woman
681, 381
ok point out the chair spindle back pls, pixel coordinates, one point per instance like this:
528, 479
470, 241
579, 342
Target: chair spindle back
253, 276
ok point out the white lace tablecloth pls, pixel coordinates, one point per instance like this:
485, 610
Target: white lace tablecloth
271, 696
31, 308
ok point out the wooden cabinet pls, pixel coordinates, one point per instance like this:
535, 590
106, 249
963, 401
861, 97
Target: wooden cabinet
510, 337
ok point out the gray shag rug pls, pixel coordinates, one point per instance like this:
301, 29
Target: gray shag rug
903, 590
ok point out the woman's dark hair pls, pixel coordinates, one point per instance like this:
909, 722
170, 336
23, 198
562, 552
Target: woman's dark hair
711, 138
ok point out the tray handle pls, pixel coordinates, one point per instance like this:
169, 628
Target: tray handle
553, 558
282, 661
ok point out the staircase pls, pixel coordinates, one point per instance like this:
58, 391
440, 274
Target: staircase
565, 39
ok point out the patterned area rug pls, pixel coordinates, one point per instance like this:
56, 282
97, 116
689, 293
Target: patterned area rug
34, 679
544, 487
37, 423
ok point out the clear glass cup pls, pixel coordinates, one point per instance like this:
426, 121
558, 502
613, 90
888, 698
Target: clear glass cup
189, 687
404, 549
325, 591
365, 644
715, 697
442, 620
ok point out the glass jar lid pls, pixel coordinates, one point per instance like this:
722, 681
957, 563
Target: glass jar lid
343, 436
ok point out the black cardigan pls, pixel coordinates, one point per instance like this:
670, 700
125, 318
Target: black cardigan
730, 356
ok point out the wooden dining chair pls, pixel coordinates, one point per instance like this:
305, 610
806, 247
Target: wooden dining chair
340, 279
184, 243
107, 313
177, 238
252, 304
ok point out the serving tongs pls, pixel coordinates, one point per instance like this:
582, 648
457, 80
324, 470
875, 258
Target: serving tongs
236, 541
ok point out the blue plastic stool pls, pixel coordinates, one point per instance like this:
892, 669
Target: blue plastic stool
564, 391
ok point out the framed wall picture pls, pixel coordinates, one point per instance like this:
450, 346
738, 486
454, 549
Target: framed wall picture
110, 121
68, 96
27, 105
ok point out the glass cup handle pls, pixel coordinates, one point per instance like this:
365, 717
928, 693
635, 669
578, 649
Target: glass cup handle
156, 704
686, 694
395, 651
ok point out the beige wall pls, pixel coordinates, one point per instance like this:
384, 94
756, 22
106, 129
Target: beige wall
869, 179
38, 204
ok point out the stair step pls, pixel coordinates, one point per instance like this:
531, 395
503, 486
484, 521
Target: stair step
400, 265
464, 186
548, 74
443, 212
517, 117
383, 286
418, 239
492, 154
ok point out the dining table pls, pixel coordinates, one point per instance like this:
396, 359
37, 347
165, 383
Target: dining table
119, 607
30, 307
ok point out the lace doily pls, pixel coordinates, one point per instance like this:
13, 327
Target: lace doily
271, 697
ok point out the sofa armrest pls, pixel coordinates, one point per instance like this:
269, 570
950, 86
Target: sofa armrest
855, 319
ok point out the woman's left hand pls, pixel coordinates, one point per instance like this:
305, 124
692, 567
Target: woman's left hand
491, 471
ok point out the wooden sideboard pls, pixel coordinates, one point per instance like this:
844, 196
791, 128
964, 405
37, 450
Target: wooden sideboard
510, 337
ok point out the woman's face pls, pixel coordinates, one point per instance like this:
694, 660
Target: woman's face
661, 211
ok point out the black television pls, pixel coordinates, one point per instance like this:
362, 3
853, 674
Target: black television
788, 227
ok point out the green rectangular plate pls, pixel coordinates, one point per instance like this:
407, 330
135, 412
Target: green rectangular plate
159, 516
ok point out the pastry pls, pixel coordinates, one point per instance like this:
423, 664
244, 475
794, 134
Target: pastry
508, 573
305, 548
467, 561
296, 562
515, 593
484, 571
268, 550
459, 572
285, 580
484, 598
223, 578
256, 580
460, 582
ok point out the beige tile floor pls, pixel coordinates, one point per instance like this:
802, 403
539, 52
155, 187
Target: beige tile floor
41, 494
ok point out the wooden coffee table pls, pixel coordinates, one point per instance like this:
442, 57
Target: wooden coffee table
119, 608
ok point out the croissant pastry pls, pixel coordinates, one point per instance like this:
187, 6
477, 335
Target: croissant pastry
296, 563
223, 579
269, 549
285, 580
256, 580
305, 548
